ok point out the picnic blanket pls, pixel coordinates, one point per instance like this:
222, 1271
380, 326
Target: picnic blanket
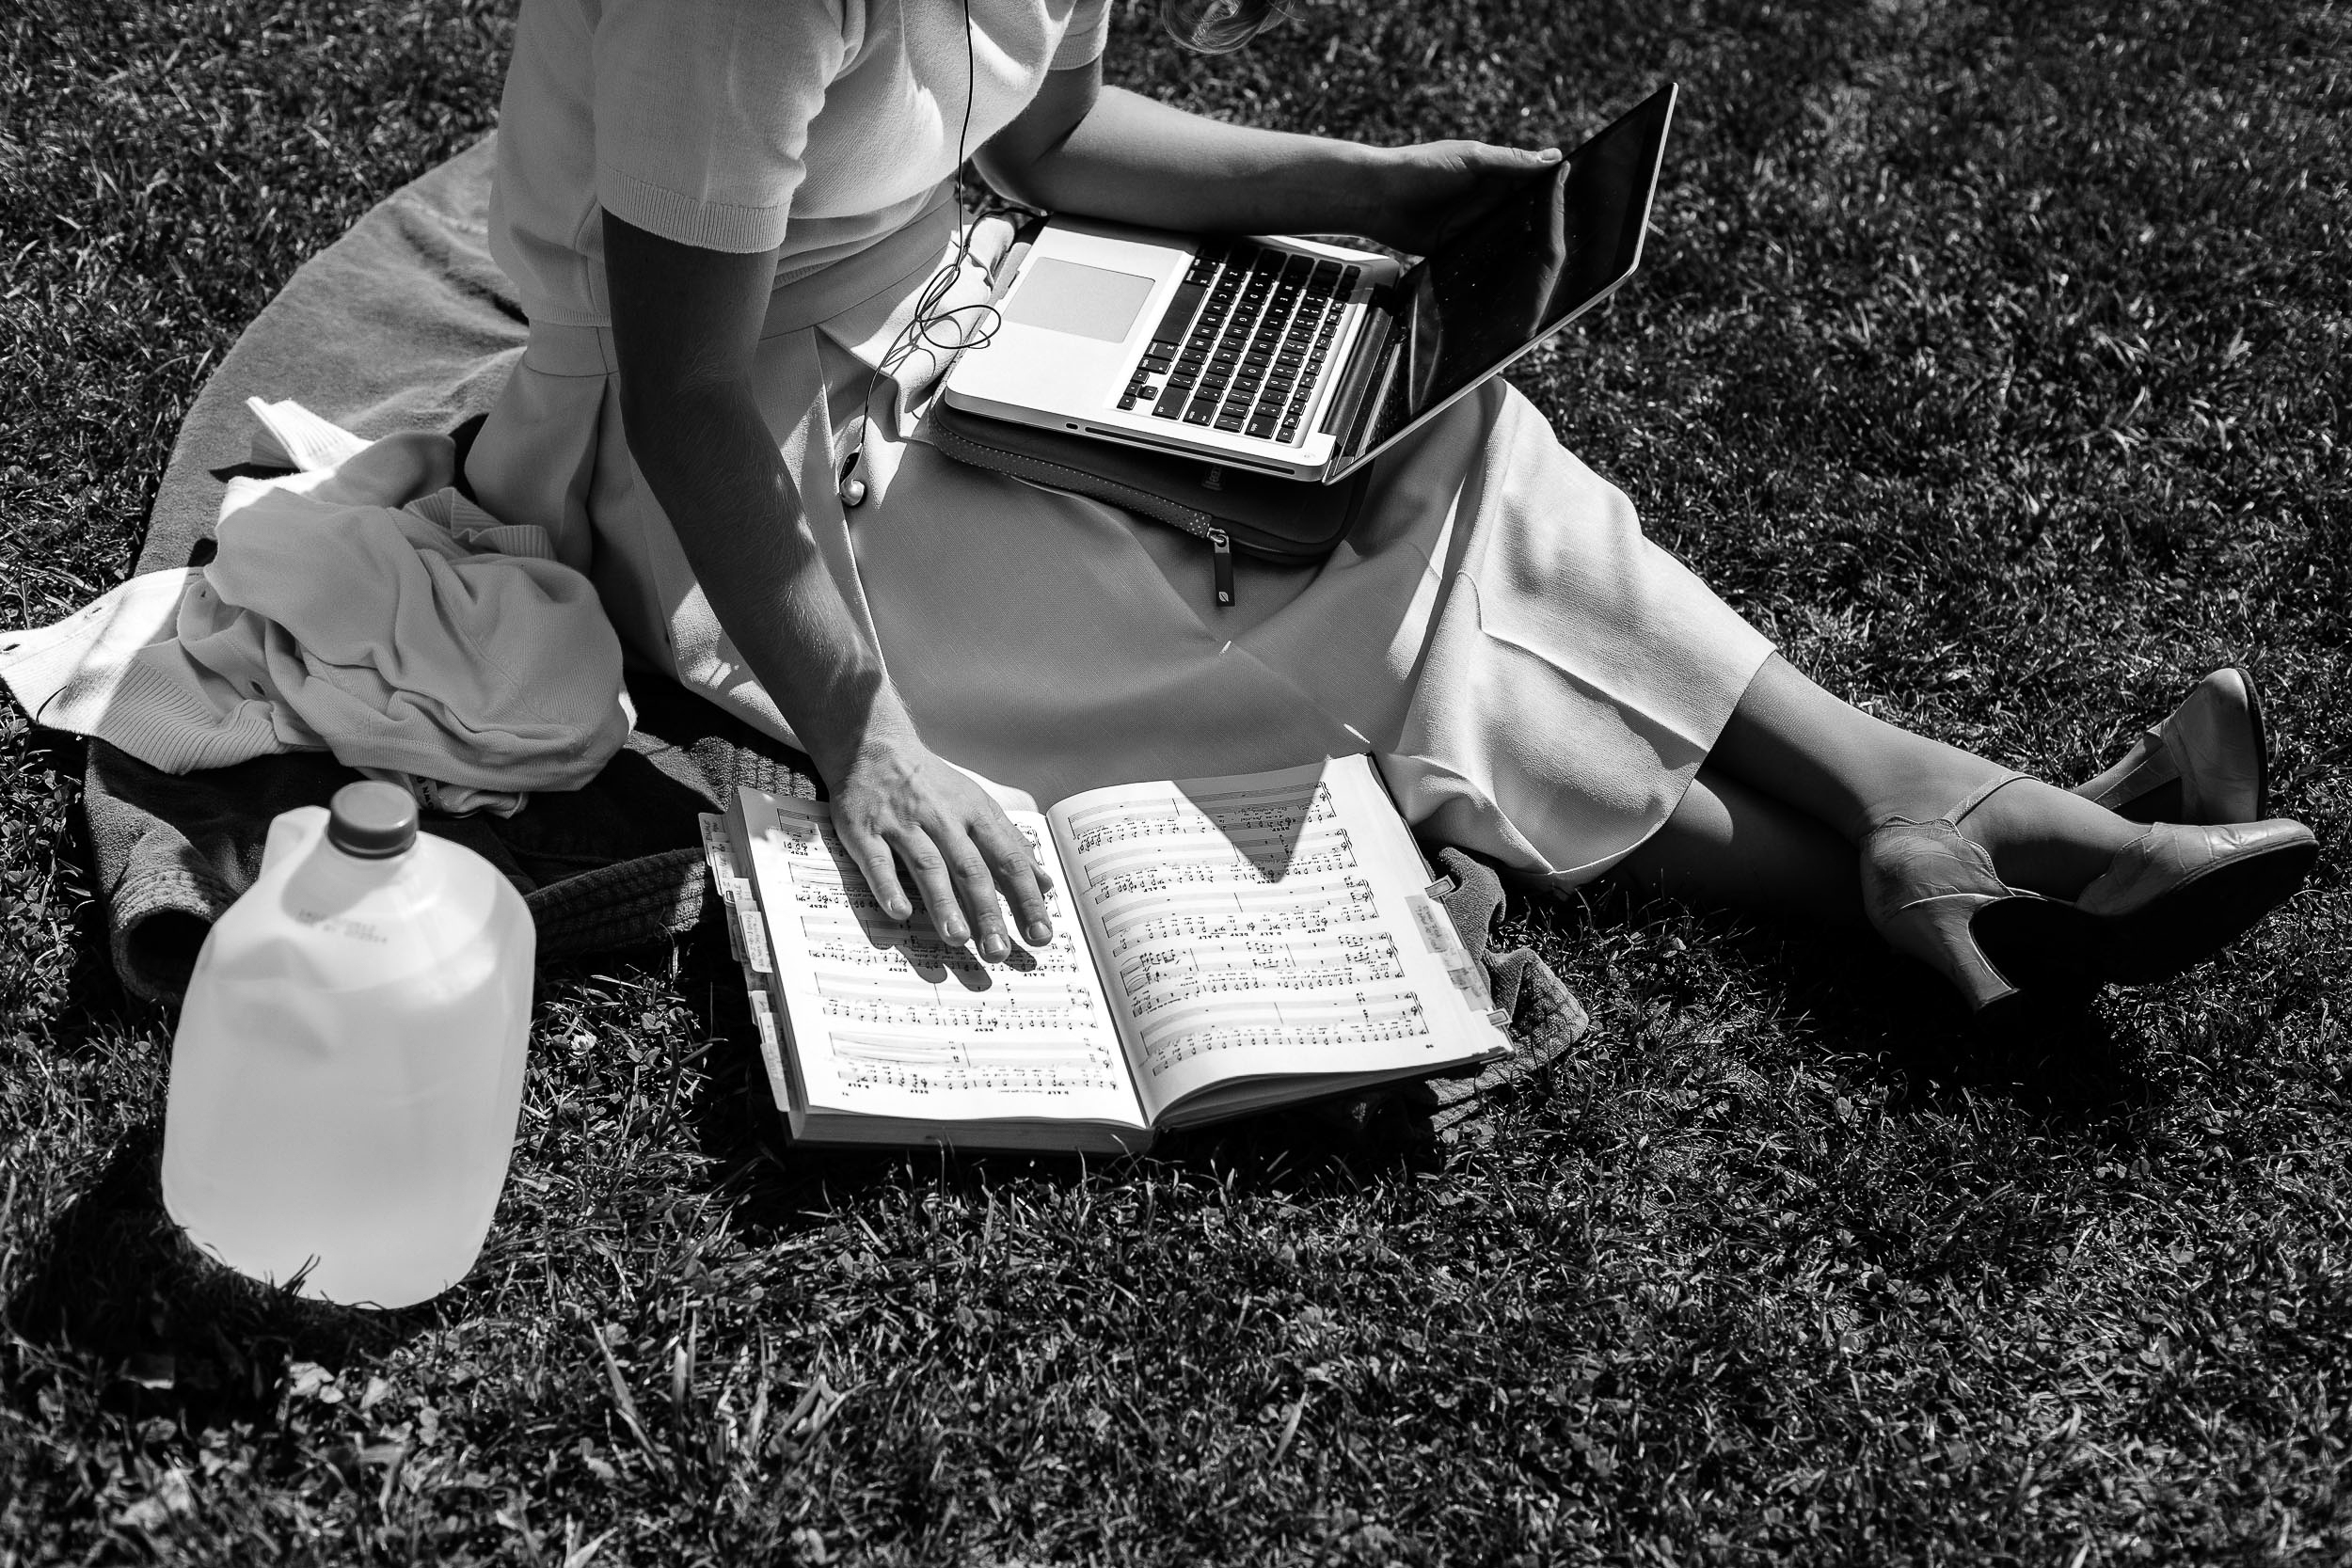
406, 323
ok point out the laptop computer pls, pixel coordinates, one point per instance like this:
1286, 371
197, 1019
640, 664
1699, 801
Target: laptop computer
1291, 356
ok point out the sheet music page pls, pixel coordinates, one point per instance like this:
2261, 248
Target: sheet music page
889, 1021
1261, 927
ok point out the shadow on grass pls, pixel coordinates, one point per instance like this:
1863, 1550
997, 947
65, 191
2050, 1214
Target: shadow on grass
115, 1282
2054, 1056
1841, 1001
67, 980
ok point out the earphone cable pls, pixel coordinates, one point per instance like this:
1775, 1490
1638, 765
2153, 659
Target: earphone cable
929, 326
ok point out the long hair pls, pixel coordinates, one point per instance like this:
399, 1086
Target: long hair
1219, 26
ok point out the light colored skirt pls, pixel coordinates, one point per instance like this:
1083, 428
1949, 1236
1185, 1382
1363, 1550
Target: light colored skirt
1538, 680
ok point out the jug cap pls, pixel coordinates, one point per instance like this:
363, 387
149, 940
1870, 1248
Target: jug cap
371, 820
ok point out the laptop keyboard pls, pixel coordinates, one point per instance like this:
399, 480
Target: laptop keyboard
1244, 341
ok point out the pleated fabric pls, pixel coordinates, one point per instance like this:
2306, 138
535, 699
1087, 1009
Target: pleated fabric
1538, 680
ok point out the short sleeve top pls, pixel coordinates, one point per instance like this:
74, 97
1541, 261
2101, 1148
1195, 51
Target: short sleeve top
817, 126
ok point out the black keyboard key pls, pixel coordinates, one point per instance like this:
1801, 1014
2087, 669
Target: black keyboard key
1229, 422
1127, 402
1262, 427
1289, 431
1180, 312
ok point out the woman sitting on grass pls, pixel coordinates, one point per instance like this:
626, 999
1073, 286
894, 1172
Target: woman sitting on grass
722, 216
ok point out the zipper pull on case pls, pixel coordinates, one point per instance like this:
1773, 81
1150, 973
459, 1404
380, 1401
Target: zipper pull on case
1222, 559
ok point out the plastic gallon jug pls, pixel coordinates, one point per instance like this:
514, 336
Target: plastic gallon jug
349, 1061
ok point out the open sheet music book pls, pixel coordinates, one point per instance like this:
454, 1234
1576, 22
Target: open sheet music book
1220, 945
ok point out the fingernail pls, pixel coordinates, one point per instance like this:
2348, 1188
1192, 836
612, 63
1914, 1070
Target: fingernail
1551, 155
993, 945
1040, 932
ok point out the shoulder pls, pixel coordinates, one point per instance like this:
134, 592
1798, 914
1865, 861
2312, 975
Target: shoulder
732, 42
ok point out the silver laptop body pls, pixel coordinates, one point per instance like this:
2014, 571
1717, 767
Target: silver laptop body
1296, 358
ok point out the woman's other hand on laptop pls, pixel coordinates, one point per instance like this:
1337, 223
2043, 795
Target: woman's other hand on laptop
1428, 192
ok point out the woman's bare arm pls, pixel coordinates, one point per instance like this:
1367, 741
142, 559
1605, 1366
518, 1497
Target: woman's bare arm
1105, 152
684, 326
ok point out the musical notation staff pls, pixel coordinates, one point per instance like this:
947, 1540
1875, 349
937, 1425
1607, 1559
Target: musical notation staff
1210, 1023
1176, 815
900, 950
1247, 858
921, 1066
1201, 914
1308, 962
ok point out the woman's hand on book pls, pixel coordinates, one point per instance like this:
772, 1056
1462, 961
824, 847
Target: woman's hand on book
1423, 195
898, 805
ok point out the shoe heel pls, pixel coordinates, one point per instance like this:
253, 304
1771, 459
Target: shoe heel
1923, 886
1941, 934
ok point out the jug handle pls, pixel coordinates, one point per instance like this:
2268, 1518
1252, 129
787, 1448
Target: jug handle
289, 830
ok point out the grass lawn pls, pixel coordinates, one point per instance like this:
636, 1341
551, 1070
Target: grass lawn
1994, 358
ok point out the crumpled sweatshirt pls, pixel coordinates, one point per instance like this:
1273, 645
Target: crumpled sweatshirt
362, 607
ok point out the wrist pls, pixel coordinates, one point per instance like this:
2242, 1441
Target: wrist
861, 729
1370, 188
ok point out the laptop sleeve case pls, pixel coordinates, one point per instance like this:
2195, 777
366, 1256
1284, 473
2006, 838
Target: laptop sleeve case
1230, 510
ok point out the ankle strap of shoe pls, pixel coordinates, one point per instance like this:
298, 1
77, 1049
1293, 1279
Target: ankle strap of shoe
1981, 796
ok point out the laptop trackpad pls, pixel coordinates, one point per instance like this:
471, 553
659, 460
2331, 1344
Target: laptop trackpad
1068, 296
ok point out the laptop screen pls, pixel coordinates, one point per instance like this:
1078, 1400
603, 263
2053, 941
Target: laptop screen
1523, 269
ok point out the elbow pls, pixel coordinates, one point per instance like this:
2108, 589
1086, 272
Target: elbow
1011, 178
1029, 181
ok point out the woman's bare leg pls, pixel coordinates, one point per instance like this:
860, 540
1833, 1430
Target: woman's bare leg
1792, 741
1736, 848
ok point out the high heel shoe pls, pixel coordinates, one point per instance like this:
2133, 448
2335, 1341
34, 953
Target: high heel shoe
2211, 747
2168, 900
2172, 898
1925, 886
